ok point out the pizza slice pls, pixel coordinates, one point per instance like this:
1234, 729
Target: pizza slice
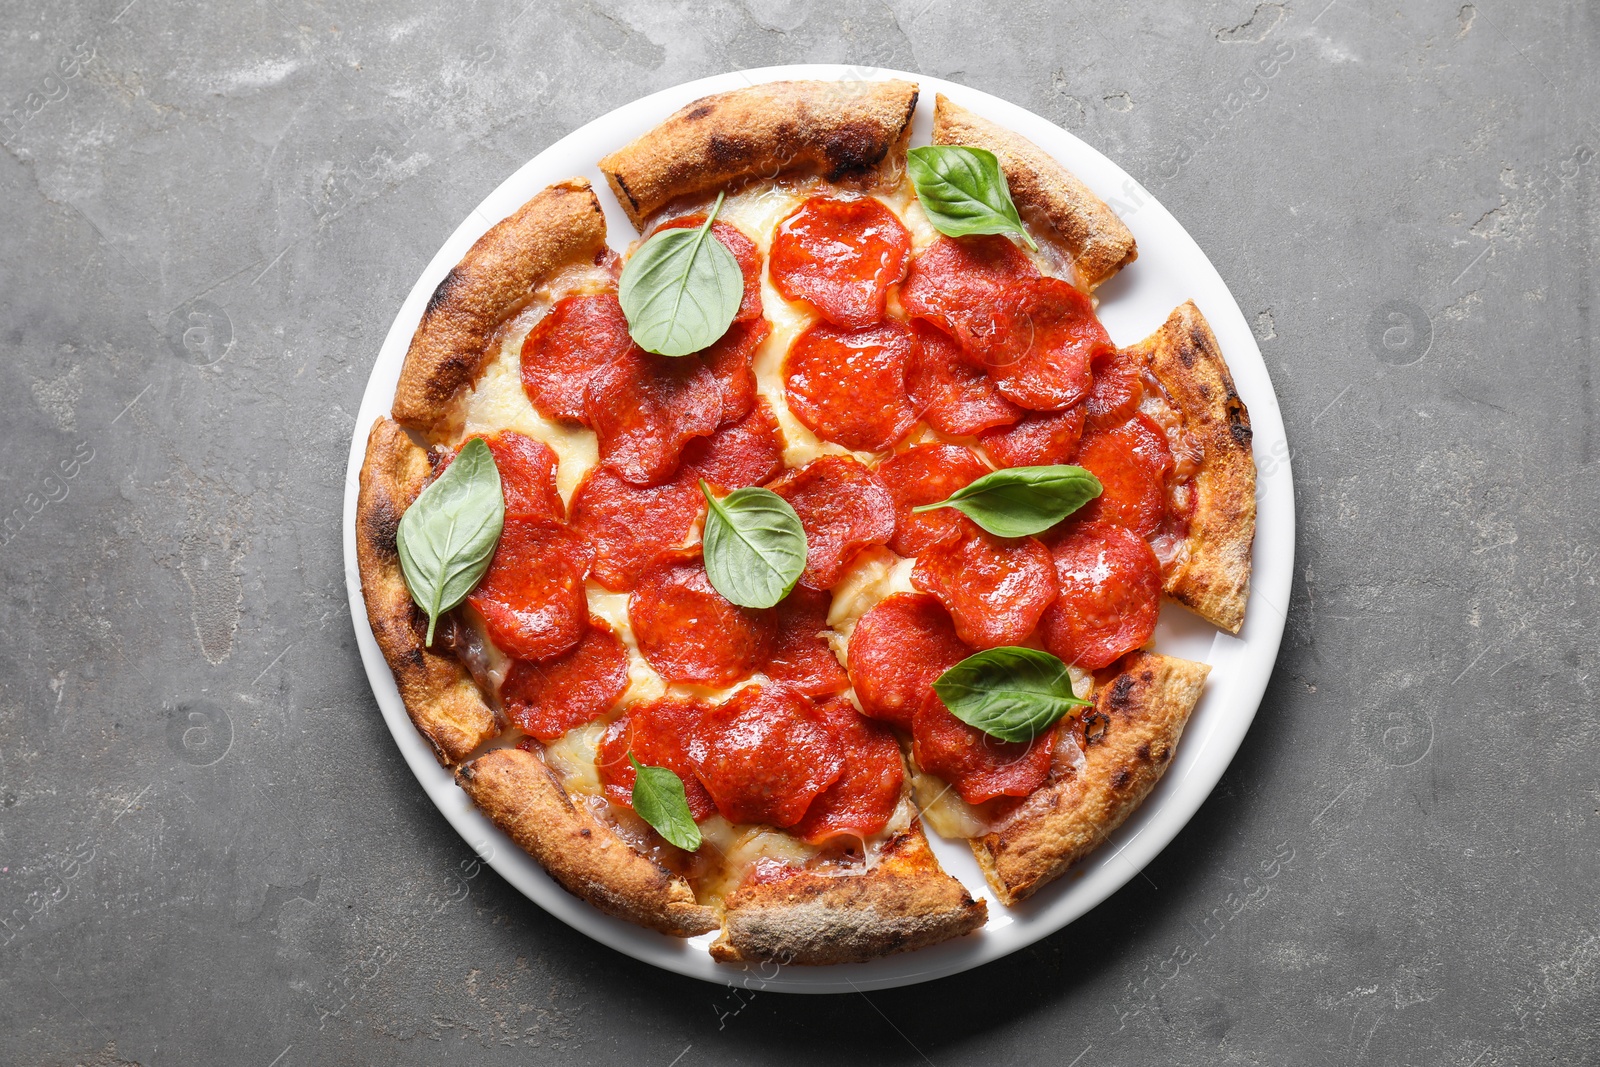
535, 524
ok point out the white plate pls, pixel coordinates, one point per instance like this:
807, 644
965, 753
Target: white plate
1170, 269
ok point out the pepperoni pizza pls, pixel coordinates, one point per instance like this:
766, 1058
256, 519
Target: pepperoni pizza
873, 364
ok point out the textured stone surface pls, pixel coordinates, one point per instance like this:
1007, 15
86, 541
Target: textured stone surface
210, 851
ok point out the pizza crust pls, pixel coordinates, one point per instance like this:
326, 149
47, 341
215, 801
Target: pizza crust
837, 129
903, 902
440, 695
561, 226
1146, 706
588, 859
1211, 575
1045, 190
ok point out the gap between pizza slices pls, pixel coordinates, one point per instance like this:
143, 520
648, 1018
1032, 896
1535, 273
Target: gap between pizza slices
873, 365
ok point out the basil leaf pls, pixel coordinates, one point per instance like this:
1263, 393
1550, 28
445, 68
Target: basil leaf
1021, 501
1011, 693
659, 800
755, 547
681, 290
964, 191
448, 535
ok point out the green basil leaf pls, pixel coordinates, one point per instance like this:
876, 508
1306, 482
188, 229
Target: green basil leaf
964, 191
1022, 501
447, 536
755, 547
659, 800
1011, 693
681, 290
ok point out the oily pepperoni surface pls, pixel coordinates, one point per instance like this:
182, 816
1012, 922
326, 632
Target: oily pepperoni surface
1118, 387
956, 284
953, 394
1131, 493
979, 766
577, 337
764, 755
580, 685
868, 790
687, 630
1110, 594
527, 474
659, 733
928, 474
531, 598
629, 524
744, 250
1047, 336
840, 256
728, 359
1149, 443
849, 386
644, 408
897, 650
1039, 439
995, 588
744, 453
801, 657
843, 508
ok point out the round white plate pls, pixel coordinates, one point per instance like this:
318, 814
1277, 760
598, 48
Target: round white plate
1170, 269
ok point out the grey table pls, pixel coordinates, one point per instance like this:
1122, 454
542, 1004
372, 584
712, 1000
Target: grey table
210, 850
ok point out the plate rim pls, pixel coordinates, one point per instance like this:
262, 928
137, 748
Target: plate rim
1249, 659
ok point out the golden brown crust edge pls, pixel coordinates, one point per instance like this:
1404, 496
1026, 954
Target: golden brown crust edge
1100, 243
904, 902
1146, 707
560, 226
1211, 576
588, 859
440, 696
838, 129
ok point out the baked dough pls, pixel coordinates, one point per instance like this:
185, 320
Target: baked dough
1043, 189
839, 130
1145, 707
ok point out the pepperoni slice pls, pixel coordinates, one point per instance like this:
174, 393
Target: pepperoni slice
980, 767
840, 256
1118, 387
577, 337
843, 508
897, 650
744, 250
1131, 492
729, 362
659, 733
1046, 338
956, 284
801, 657
629, 524
994, 587
765, 754
580, 685
850, 385
1110, 594
644, 408
928, 474
861, 801
747, 452
531, 598
1147, 441
1039, 439
953, 394
527, 474
687, 630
